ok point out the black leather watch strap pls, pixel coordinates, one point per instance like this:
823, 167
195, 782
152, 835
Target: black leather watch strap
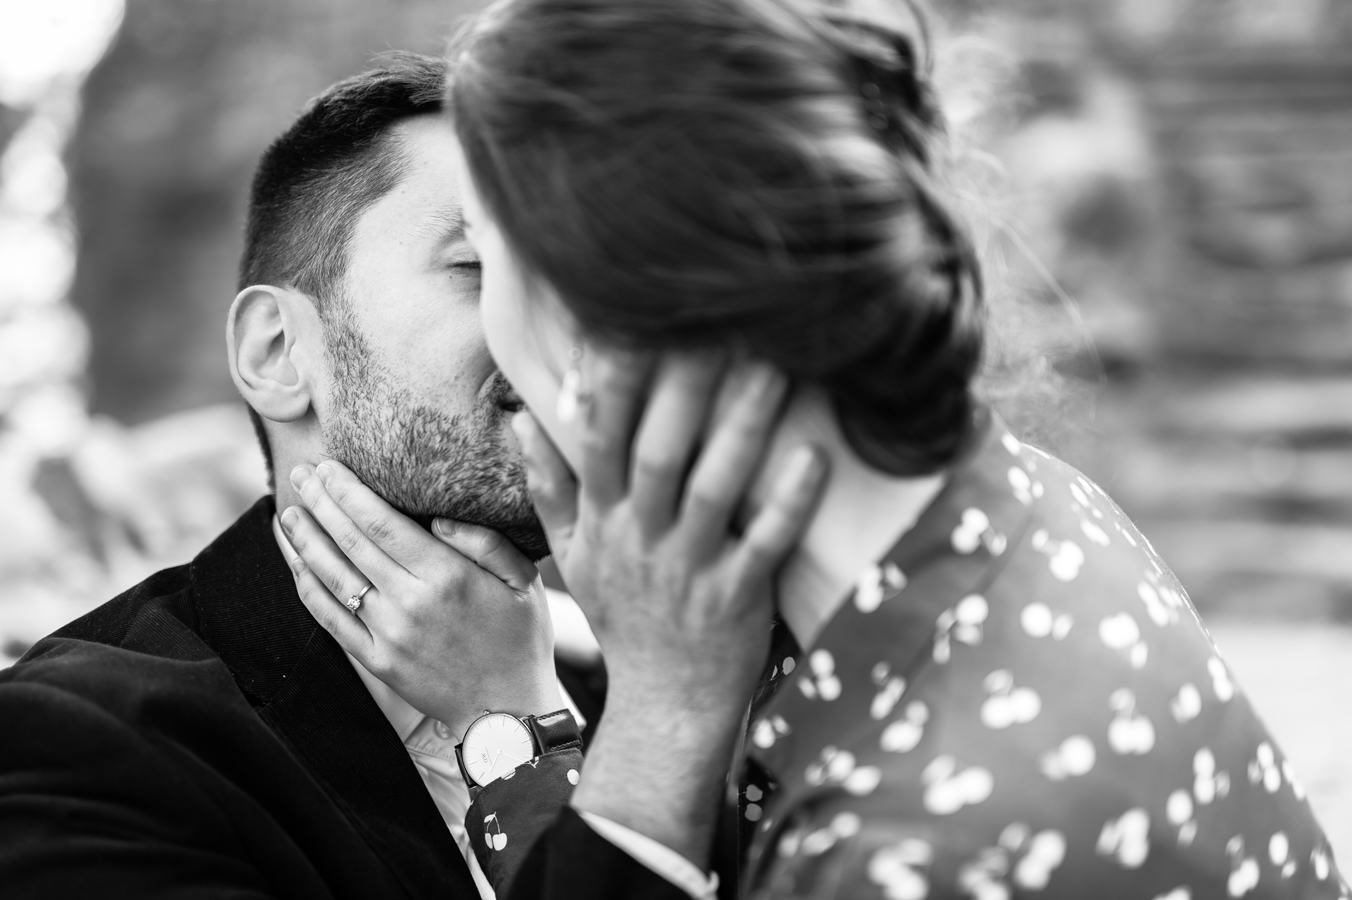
554, 731
464, 772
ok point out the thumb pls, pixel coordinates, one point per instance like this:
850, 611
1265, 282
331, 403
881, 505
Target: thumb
490, 551
553, 488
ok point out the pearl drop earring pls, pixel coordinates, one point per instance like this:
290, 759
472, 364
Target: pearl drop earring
571, 396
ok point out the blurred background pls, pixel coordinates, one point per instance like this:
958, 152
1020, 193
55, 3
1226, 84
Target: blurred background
1165, 192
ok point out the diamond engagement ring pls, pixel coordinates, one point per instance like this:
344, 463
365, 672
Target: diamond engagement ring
354, 602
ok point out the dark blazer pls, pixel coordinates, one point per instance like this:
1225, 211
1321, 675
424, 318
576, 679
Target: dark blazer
201, 736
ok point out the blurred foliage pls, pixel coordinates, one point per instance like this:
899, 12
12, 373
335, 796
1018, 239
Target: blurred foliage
1161, 189
129, 452
175, 116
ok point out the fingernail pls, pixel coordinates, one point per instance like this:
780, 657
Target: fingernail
289, 518
805, 463
299, 475
325, 472
768, 381
443, 528
297, 566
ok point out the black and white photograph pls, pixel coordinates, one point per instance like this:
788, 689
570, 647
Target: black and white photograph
676, 449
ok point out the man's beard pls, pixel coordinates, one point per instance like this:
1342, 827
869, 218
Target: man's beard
424, 462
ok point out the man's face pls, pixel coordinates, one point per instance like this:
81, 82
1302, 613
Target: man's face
416, 407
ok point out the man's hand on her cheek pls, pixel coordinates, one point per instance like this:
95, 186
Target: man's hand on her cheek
456, 623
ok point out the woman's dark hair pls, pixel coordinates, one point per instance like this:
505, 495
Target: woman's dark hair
752, 173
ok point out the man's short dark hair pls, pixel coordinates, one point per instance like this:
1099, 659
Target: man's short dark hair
316, 179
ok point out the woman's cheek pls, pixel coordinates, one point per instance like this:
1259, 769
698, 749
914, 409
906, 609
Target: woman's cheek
523, 347
498, 327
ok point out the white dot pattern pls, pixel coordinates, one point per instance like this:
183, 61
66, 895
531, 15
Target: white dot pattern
1019, 653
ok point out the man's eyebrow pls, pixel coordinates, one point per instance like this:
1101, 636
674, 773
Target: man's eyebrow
443, 225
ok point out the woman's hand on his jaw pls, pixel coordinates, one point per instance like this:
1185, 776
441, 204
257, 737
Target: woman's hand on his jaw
681, 607
456, 623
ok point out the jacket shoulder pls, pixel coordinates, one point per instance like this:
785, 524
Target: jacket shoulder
138, 643
167, 592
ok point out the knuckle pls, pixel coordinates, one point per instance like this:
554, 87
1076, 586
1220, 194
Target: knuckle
380, 529
452, 580
762, 553
334, 583
657, 466
347, 537
299, 537
379, 663
706, 495
424, 596
758, 547
786, 513
592, 531
337, 488
332, 616
310, 596
595, 440
310, 490
795, 508
746, 429
322, 609
396, 634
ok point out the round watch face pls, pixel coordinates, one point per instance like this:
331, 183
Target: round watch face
495, 745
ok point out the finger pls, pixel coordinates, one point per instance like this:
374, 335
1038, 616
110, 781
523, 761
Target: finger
780, 523
616, 381
553, 488
348, 630
730, 460
401, 539
490, 551
673, 422
321, 556
351, 542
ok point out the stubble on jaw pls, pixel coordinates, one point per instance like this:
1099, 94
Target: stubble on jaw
421, 460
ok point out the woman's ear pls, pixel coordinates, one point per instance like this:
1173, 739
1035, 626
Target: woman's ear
267, 334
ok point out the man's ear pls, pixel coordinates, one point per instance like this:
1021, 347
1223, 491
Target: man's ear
271, 334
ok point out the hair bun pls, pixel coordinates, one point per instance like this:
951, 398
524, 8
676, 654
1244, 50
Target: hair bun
892, 78
697, 173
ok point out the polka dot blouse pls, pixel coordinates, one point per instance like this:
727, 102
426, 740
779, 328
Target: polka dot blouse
1020, 701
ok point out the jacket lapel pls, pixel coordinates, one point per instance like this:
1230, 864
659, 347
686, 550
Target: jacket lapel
305, 689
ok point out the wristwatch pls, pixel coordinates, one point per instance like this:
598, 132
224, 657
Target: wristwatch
496, 743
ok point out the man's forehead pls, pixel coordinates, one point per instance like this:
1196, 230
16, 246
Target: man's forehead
429, 181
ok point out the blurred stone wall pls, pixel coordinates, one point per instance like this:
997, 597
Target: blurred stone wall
1185, 168
175, 117
1173, 220
1164, 186
123, 446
